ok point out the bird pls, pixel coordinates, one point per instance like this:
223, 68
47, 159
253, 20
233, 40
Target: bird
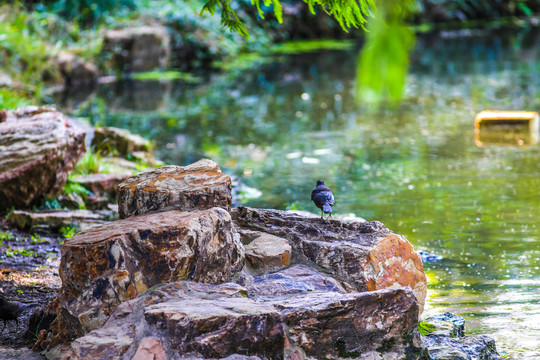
323, 198
11, 310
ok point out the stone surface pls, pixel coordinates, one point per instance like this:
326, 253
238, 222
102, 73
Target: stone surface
150, 348
365, 255
202, 321
111, 263
137, 49
198, 186
121, 141
19, 354
474, 347
447, 324
267, 253
101, 184
326, 324
75, 71
38, 149
190, 321
297, 279
54, 220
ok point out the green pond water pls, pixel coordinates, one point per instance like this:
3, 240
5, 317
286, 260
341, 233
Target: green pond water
280, 125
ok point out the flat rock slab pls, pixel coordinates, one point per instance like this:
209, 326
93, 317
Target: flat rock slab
198, 186
56, 219
295, 280
101, 184
38, 149
366, 255
111, 263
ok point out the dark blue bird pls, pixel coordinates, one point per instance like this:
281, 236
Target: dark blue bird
323, 198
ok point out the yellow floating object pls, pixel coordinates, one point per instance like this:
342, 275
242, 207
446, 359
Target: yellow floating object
506, 128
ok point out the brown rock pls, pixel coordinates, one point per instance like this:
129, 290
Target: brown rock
76, 71
297, 279
366, 255
122, 141
138, 49
198, 186
267, 253
111, 263
328, 325
150, 348
189, 321
54, 220
101, 184
38, 149
3, 115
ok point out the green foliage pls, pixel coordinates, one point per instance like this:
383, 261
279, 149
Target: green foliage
20, 252
73, 187
90, 163
86, 12
425, 328
37, 239
348, 13
165, 76
384, 60
298, 47
11, 99
67, 231
5, 236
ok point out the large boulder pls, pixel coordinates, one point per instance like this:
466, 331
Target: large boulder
366, 255
38, 149
198, 186
112, 263
137, 49
198, 321
189, 321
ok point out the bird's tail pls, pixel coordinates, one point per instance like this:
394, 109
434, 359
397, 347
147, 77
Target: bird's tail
327, 209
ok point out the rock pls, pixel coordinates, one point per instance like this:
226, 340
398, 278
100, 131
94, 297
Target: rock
122, 141
75, 71
54, 220
71, 201
19, 354
3, 115
137, 49
38, 149
150, 348
365, 255
328, 325
191, 321
446, 324
111, 263
198, 186
297, 279
473, 347
202, 321
267, 253
101, 184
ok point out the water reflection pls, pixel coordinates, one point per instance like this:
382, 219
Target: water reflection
416, 168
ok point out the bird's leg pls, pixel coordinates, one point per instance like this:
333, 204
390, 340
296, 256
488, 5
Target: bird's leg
322, 214
330, 217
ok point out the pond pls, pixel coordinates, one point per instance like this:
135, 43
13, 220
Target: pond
281, 124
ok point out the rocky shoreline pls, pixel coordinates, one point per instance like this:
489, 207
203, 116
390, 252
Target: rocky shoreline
180, 274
